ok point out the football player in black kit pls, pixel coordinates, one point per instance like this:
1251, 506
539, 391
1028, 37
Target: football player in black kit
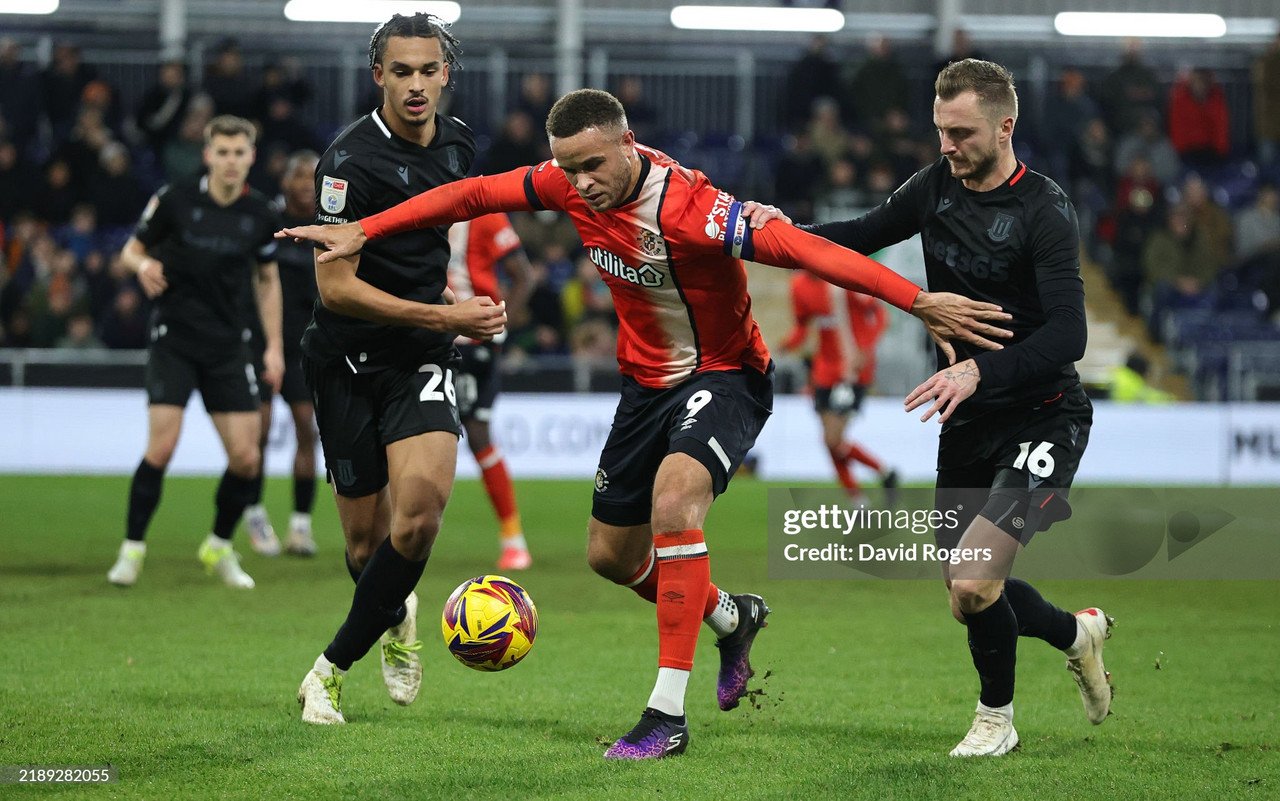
1015, 421
298, 286
201, 249
379, 357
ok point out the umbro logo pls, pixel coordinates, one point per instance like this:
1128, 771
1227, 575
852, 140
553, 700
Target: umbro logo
672, 595
340, 157
403, 172
944, 204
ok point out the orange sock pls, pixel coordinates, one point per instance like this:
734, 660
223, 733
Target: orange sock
860, 454
645, 584
840, 460
497, 483
683, 583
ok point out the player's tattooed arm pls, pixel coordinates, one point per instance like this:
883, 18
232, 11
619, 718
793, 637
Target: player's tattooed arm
946, 389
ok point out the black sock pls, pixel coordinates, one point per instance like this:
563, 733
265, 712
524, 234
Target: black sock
234, 494
1039, 618
378, 604
993, 643
304, 494
144, 497
258, 481
351, 568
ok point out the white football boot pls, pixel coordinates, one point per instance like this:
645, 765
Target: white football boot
124, 573
991, 734
219, 557
401, 667
262, 537
1091, 676
300, 542
321, 693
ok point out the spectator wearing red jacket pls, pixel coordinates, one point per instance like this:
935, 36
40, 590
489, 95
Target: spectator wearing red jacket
1198, 123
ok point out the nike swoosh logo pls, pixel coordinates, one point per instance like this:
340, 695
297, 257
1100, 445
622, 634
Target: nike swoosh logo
340, 157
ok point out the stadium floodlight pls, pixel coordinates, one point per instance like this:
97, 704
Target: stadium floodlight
367, 10
754, 18
28, 6
1107, 23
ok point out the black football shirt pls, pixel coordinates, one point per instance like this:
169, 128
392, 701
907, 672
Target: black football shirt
297, 283
1016, 246
209, 253
366, 170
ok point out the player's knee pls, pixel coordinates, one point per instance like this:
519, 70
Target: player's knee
972, 596
244, 460
416, 533
361, 550
159, 454
607, 562
833, 441
674, 510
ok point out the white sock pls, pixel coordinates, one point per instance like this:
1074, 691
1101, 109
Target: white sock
300, 520
255, 511
515, 542
324, 667
1077, 648
1005, 711
668, 691
133, 547
723, 620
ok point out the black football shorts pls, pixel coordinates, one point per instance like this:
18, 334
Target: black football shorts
841, 398
477, 382
225, 376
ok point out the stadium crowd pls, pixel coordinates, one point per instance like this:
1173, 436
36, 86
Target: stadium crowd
1180, 215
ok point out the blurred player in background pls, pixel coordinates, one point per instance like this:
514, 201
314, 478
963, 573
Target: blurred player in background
298, 285
1015, 422
697, 376
478, 249
380, 361
201, 248
842, 367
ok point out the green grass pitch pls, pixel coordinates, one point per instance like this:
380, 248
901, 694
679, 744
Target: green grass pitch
189, 687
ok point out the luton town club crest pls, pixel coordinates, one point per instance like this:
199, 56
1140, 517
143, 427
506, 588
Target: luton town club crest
1001, 228
333, 194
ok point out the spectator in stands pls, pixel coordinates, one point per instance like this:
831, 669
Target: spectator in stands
114, 190
282, 78
184, 155
54, 195
842, 194
877, 85
881, 181
1211, 223
896, 146
282, 128
84, 144
535, 97
1199, 125
100, 285
125, 325
586, 297
1129, 382
227, 82
798, 174
62, 86
1068, 110
80, 334
54, 298
826, 131
1148, 140
17, 333
961, 48
1130, 93
815, 76
163, 107
1258, 226
16, 180
1089, 171
1266, 102
642, 116
79, 236
519, 144
20, 101
545, 332
1139, 211
1178, 264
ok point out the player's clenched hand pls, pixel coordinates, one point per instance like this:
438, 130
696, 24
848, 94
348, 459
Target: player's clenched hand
948, 316
337, 241
273, 368
947, 389
758, 214
478, 318
151, 276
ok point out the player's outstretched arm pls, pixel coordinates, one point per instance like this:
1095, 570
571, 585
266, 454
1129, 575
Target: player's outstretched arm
947, 389
443, 205
946, 316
